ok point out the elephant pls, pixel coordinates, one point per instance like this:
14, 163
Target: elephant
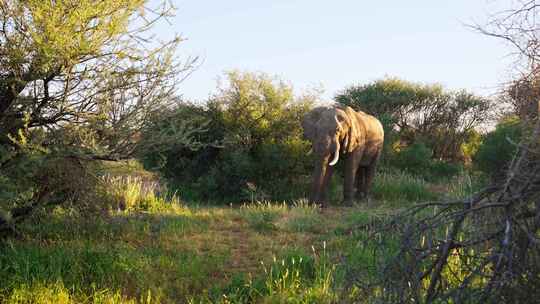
357, 136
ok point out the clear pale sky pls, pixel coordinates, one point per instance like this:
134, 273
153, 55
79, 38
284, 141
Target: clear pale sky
338, 43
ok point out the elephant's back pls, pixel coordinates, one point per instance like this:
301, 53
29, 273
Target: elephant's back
374, 128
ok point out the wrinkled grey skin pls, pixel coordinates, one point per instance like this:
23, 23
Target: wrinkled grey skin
339, 133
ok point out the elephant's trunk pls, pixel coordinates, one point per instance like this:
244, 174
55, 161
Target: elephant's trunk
336, 155
317, 187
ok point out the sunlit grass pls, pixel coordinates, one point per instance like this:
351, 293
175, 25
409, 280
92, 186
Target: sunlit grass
58, 293
135, 193
397, 186
294, 277
149, 247
261, 216
171, 252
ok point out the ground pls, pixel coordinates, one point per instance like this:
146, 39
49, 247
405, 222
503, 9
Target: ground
141, 247
177, 254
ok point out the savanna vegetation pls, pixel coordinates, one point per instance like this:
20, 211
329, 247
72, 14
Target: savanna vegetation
114, 189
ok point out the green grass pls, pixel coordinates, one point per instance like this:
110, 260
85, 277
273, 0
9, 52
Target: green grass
159, 250
303, 217
171, 255
392, 186
261, 216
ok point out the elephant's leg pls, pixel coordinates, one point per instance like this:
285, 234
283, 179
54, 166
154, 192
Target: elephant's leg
351, 168
361, 183
326, 186
370, 174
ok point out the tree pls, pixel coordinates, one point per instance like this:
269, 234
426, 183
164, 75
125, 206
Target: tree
258, 107
253, 146
422, 113
499, 147
79, 80
86, 70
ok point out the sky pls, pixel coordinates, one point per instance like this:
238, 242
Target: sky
335, 44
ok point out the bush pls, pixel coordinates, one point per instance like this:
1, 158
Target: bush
252, 146
496, 150
443, 170
415, 159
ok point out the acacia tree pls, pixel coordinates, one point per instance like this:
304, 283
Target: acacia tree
79, 80
83, 66
424, 113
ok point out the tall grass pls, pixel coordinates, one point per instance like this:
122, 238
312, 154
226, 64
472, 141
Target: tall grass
58, 293
261, 216
266, 216
304, 217
295, 278
465, 184
399, 186
135, 193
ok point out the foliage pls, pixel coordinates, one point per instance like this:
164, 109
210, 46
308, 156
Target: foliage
166, 251
480, 248
79, 81
430, 114
86, 72
33, 178
416, 159
499, 146
261, 216
470, 147
160, 255
304, 217
296, 278
252, 147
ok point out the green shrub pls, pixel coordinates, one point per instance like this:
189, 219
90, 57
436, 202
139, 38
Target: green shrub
252, 148
415, 159
442, 170
496, 150
415, 112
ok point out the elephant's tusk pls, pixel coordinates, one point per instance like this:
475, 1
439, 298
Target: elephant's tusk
336, 155
310, 151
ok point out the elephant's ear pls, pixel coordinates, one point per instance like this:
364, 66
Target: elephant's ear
354, 136
309, 122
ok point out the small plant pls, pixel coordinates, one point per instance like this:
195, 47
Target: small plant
304, 217
262, 215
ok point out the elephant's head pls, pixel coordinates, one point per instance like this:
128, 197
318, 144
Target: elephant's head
331, 130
